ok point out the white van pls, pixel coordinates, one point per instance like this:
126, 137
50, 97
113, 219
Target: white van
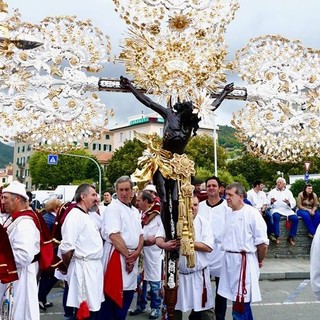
64, 193
39, 197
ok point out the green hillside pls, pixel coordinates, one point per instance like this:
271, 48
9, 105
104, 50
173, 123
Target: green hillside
6, 154
227, 139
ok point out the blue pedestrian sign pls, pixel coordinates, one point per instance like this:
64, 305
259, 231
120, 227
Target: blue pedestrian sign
53, 159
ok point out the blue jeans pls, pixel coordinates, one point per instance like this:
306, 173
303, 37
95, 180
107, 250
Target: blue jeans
247, 315
154, 293
269, 221
310, 221
294, 224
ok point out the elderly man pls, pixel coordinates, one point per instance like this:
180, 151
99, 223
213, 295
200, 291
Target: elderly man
282, 203
82, 249
123, 233
24, 238
245, 243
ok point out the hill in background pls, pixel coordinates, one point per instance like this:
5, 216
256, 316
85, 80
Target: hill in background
227, 139
6, 154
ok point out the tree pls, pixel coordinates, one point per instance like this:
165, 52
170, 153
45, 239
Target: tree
298, 186
247, 165
200, 149
67, 171
124, 160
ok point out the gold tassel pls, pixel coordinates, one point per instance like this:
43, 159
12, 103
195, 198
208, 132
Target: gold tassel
185, 246
191, 263
185, 242
179, 227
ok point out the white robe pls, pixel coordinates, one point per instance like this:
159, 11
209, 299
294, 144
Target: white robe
280, 206
191, 284
119, 218
25, 242
245, 229
217, 218
152, 255
315, 264
258, 200
85, 272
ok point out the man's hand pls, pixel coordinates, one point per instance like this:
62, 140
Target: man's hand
130, 260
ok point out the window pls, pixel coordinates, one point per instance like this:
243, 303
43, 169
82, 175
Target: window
106, 147
23, 148
3, 180
18, 149
94, 146
107, 137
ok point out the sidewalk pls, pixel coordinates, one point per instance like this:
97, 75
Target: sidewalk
284, 269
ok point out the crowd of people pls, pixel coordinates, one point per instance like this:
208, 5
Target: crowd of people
114, 248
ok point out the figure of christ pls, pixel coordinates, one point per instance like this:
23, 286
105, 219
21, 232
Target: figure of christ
179, 123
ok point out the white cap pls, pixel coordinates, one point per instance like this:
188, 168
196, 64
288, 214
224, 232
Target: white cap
150, 187
18, 188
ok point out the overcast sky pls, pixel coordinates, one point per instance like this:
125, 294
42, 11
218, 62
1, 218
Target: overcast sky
293, 19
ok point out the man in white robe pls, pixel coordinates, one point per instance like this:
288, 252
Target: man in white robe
245, 242
82, 250
122, 231
24, 238
282, 202
215, 209
195, 290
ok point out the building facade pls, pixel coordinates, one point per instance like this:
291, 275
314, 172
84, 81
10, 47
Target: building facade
102, 148
6, 175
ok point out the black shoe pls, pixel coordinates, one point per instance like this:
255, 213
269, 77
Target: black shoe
42, 306
48, 304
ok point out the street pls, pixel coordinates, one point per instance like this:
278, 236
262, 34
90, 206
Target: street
281, 300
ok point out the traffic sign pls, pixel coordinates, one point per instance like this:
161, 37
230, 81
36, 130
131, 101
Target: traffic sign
53, 159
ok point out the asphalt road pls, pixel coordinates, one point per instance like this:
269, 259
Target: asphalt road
281, 300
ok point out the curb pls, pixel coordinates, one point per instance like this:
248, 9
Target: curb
284, 275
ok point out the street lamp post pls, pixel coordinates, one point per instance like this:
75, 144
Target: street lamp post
215, 146
86, 157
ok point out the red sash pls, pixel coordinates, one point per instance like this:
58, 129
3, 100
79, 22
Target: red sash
113, 285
